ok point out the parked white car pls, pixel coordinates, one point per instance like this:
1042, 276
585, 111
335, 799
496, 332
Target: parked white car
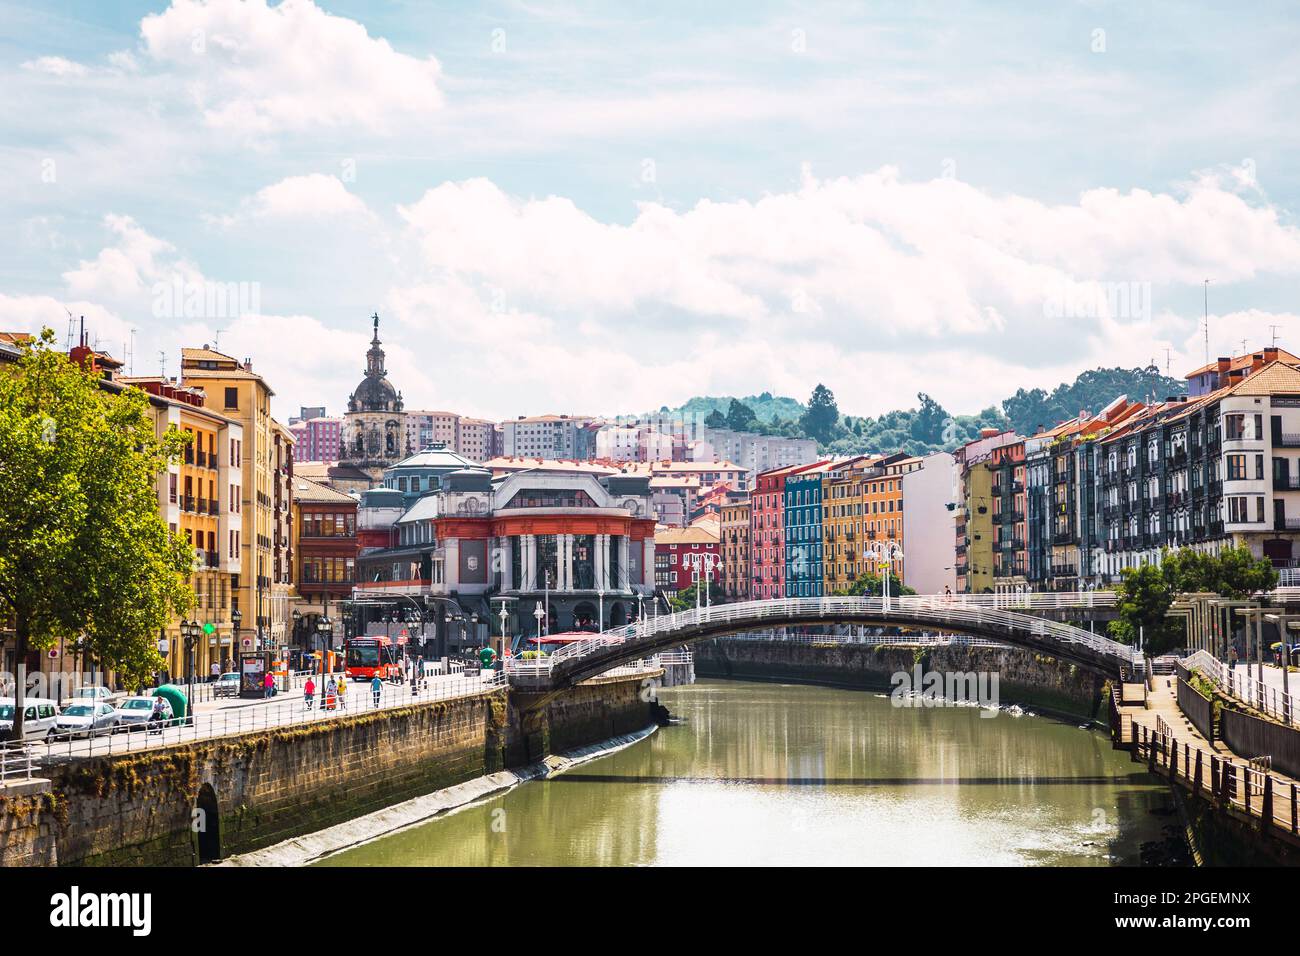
91, 693
133, 713
86, 719
39, 715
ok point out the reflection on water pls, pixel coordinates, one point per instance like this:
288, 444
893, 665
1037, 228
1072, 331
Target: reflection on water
790, 774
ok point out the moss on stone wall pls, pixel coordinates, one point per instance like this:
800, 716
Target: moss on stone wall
274, 784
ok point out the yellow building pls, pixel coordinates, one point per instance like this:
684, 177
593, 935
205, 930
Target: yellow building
975, 531
201, 499
264, 588
862, 515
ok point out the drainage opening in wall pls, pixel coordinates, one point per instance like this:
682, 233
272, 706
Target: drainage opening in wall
207, 825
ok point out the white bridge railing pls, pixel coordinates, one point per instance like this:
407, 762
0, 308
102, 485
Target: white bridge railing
930, 611
1236, 682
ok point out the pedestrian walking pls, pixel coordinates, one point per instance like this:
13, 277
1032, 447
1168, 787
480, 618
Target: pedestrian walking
308, 692
215, 671
268, 685
376, 688
343, 692
331, 692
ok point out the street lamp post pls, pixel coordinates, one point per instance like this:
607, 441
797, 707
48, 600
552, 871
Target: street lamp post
190, 631
325, 628
886, 552
236, 618
503, 614
538, 613
600, 621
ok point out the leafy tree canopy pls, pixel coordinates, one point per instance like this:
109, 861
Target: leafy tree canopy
870, 583
1145, 593
928, 427
84, 551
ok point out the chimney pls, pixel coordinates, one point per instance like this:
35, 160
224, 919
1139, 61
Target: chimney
1270, 354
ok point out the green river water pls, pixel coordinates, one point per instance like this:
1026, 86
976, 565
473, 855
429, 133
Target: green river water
760, 774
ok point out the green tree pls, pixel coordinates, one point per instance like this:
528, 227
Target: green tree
869, 585
822, 416
1142, 598
1146, 593
684, 600
83, 548
740, 417
928, 423
715, 419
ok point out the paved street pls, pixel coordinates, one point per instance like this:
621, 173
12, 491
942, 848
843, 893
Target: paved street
232, 716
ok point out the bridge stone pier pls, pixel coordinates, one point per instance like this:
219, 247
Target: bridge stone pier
1008, 619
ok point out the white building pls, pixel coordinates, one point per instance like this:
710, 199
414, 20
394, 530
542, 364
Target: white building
929, 545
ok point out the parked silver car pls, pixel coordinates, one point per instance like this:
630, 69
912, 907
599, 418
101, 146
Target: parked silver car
86, 719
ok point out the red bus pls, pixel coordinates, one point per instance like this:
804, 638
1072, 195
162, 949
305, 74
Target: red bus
370, 656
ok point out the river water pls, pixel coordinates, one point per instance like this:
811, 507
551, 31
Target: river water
790, 774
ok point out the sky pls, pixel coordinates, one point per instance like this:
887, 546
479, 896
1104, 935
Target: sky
599, 208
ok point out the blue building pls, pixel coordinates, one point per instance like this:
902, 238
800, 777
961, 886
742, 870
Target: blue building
803, 533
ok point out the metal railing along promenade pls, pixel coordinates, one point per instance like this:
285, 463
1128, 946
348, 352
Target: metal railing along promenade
17, 762
926, 611
1235, 682
252, 717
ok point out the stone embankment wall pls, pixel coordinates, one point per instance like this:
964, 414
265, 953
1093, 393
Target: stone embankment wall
1024, 677
195, 801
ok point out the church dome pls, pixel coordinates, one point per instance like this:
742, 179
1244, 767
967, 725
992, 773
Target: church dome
375, 393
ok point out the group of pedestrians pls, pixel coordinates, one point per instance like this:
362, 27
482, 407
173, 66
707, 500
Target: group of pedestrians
336, 693
335, 696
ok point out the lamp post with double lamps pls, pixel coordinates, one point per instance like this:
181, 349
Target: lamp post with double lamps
703, 564
539, 614
884, 552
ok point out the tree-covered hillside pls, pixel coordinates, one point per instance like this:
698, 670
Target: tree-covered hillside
928, 427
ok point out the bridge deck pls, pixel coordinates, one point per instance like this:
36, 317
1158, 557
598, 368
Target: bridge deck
1002, 618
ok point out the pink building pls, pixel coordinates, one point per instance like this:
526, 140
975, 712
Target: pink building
767, 530
317, 439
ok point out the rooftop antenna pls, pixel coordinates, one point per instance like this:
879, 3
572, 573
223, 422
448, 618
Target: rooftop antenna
216, 341
1167, 356
162, 364
1274, 329
1207, 321
130, 351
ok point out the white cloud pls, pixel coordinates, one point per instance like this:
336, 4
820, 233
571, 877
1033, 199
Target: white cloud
55, 66
128, 269
868, 253
877, 287
253, 68
313, 196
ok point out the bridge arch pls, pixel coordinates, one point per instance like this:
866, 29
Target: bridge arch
586, 659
